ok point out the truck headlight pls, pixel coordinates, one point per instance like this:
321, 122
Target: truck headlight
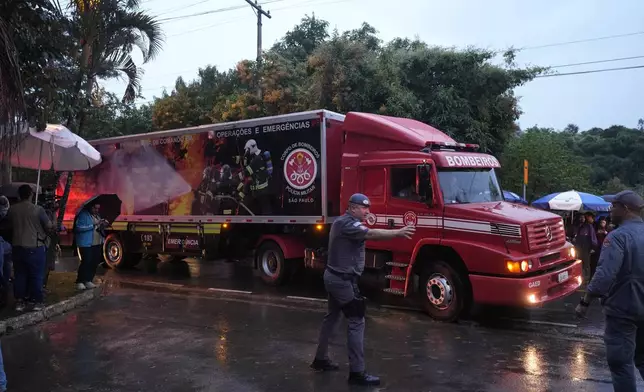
572, 252
518, 266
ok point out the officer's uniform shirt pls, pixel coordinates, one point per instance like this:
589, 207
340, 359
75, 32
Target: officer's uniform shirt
347, 245
619, 277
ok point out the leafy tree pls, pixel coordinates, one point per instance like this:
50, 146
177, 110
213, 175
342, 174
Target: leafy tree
613, 186
107, 31
110, 117
192, 104
303, 40
34, 71
552, 166
616, 151
460, 92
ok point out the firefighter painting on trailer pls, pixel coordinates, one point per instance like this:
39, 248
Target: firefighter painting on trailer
257, 170
227, 195
205, 193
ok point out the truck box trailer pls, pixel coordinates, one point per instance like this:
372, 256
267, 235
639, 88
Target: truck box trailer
274, 185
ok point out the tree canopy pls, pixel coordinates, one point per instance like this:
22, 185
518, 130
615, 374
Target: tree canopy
461, 92
60, 58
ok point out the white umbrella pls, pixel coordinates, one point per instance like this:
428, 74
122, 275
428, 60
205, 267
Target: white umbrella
55, 148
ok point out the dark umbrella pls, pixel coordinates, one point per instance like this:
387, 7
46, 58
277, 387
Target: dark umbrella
110, 206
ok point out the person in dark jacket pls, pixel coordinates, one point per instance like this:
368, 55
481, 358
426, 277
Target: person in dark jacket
586, 242
619, 282
5, 253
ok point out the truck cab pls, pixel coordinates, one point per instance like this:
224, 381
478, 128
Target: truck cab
470, 245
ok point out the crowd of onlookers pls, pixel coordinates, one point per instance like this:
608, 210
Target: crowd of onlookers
28, 249
587, 232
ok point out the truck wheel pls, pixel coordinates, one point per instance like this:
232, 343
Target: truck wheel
444, 294
115, 255
271, 263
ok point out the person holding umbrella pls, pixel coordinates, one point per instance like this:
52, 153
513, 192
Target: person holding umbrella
89, 232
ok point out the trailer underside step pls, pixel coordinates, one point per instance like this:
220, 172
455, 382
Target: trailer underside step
397, 264
396, 277
394, 291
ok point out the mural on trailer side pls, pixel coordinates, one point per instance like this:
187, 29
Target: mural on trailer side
269, 169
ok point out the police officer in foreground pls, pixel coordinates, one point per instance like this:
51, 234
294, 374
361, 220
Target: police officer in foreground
346, 259
619, 282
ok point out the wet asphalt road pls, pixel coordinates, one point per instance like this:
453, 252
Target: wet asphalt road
136, 340
556, 317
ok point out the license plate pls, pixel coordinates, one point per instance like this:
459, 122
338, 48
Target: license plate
562, 277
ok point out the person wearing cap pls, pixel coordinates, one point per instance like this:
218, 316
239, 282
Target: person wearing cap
619, 282
345, 264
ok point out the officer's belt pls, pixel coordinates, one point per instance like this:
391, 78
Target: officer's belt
343, 275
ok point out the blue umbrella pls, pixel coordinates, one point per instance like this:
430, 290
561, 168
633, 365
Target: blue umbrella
572, 201
513, 197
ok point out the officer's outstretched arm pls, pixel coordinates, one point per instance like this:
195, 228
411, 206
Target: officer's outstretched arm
383, 235
358, 231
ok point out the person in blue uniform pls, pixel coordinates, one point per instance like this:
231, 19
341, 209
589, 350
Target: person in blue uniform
619, 282
345, 264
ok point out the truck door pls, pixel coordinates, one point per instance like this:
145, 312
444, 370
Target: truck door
374, 186
412, 201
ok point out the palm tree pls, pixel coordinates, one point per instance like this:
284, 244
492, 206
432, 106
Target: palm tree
26, 48
107, 32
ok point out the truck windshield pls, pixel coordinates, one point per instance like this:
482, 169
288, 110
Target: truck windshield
469, 186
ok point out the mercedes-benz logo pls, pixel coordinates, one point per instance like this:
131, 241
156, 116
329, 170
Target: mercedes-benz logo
548, 233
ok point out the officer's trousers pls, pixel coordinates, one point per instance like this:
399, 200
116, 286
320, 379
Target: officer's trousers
344, 297
624, 340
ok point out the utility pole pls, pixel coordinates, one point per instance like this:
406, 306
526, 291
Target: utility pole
259, 11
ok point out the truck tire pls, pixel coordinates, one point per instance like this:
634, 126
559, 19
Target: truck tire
115, 254
444, 293
271, 264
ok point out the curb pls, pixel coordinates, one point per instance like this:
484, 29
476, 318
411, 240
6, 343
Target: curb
35, 317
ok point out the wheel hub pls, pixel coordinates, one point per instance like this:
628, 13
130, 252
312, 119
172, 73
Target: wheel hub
439, 291
113, 251
270, 263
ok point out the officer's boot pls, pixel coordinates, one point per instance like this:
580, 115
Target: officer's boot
362, 378
324, 365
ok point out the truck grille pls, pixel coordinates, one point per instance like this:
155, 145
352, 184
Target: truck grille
544, 235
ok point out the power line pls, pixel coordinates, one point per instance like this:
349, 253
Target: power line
591, 71
205, 27
182, 7
597, 62
216, 11
581, 41
236, 7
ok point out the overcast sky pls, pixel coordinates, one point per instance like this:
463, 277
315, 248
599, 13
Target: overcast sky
589, 100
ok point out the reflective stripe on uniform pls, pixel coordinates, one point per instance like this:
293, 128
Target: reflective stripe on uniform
259, 187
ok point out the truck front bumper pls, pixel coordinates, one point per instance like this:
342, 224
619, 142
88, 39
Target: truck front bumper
529, 291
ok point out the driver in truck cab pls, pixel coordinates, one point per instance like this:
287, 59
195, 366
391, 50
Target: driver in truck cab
453, 193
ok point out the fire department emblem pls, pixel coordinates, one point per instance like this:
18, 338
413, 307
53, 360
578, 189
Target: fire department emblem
300, 169
410, 218
371, 219
548, 233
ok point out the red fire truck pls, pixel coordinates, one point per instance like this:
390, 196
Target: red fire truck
275, 185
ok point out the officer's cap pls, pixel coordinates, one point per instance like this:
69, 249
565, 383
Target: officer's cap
629, 199
359, 199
